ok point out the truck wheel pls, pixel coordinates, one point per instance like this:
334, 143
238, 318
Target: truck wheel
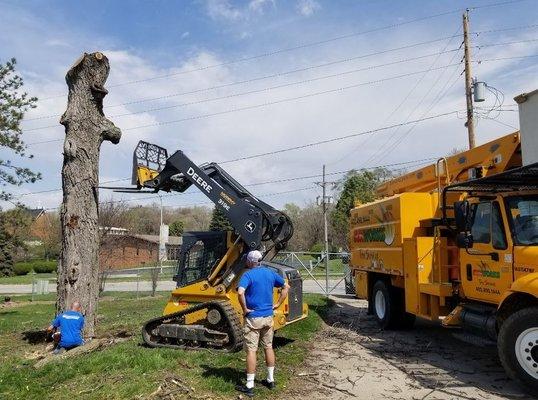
348, 281
388, 306
518, 346
382, 305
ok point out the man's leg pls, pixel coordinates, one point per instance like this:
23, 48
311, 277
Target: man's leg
266, 339
250, 343
251, 368
270, 362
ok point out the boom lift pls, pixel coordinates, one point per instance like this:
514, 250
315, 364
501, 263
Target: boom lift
457, 242
204, 311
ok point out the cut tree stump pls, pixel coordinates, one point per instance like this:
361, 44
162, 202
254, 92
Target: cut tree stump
86, 127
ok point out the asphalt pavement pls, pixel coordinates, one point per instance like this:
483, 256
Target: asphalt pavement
309, 286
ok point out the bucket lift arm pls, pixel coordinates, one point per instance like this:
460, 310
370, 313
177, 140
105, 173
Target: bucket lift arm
255, 221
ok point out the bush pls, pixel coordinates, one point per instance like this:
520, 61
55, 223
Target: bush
317, 248
22, 268
38, 266
43, 266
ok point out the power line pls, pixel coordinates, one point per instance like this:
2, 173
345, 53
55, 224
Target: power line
285, 100
251, 92
255, 183
381, 149
312, 144
288, 73
279, 51
284, 73
271, 88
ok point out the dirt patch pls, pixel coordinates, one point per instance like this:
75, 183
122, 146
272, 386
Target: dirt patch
174, 387
353, 358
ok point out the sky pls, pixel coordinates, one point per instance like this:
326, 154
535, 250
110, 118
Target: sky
223, 79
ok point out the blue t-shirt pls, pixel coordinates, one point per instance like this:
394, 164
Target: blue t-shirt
258, 283
70, 324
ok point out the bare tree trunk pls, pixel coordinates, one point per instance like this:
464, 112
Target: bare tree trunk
85, 129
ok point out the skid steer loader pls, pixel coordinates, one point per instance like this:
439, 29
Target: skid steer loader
204, 310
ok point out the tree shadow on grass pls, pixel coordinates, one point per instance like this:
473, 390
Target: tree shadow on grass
36, 337
280, 341
227, 374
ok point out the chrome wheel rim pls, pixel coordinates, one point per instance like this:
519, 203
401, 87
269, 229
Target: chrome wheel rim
526, 349
380, 304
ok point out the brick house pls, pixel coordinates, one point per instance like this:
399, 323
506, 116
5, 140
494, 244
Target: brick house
125, 250
40, 224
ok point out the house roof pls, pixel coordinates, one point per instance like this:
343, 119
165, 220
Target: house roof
35, 213
172, 240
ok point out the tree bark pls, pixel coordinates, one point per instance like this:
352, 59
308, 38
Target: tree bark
86, 128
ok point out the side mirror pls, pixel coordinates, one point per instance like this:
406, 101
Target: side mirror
464, 240
462, 214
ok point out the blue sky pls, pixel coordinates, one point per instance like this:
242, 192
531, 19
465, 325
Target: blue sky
194, 44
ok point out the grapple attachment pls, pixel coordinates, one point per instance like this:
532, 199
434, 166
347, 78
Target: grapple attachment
148, 161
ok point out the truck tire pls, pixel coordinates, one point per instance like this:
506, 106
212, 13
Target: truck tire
388, 306
348, 281
518, 346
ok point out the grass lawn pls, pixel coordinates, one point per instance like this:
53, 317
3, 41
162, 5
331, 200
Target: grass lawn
26, 279
128, 370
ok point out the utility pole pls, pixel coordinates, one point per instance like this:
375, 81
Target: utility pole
325, 201
468, 80
325, 233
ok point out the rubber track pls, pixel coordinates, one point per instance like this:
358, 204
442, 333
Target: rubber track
232, 319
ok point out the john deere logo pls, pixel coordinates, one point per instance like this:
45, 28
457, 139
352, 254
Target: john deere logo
250, 226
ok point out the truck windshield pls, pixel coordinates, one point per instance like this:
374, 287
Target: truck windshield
523, 213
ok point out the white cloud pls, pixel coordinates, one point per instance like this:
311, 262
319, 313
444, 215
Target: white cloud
259, 5
224, 10
307, 7
185, 35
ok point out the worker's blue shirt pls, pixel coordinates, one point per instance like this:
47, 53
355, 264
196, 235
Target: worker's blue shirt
258, 283
70, 324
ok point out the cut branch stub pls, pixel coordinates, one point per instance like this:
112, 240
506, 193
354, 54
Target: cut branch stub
86, 127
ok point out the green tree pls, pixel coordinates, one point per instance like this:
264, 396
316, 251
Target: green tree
355, 185
176, 228
14, 228
219, 222
13, 104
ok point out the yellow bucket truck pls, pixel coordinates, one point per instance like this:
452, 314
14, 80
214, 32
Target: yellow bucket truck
457, 242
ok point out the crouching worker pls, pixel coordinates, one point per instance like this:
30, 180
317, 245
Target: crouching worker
68, 326
255, 291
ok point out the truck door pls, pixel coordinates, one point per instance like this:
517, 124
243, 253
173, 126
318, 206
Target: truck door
487, 267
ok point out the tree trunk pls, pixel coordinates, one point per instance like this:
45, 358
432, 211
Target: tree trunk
86, 128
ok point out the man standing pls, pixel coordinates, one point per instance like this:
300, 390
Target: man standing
255, 290
70, 325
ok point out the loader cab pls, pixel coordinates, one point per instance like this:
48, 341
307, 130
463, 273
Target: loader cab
199, 255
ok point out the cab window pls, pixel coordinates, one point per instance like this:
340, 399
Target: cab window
488, 225
481, 223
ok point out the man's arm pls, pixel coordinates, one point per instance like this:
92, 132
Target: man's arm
282, 297
242, 300
55, 324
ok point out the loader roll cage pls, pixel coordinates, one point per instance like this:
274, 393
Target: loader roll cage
515, 180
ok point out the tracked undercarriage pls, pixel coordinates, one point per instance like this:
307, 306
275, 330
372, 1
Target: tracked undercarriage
219, 330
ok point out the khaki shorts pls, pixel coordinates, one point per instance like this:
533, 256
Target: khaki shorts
256, 330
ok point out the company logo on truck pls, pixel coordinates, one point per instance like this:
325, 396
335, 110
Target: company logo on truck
384, 233
486, 272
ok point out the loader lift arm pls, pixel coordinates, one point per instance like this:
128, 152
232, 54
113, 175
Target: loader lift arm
253, 220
